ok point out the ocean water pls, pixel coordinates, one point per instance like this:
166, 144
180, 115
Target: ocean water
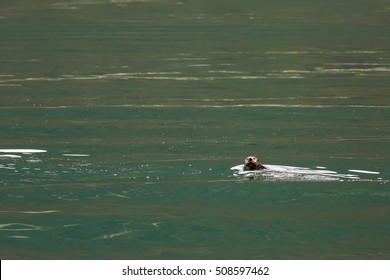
120, 122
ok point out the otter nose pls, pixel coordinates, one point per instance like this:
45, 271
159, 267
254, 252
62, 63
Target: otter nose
250, 159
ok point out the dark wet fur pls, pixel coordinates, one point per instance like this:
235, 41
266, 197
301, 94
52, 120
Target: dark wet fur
252, 163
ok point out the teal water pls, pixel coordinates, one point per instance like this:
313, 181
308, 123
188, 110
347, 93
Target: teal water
142, 107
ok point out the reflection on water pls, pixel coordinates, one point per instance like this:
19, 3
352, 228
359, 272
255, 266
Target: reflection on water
120, 121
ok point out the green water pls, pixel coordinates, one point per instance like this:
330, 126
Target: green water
143, 107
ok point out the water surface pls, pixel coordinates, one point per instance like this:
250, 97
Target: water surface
120, 121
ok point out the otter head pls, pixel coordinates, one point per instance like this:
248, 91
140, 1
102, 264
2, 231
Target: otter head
252, 163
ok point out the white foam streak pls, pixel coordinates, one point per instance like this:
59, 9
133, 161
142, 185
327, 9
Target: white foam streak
32, 212
10, 156
112, 235
22, 151
363, 171
75, 155
18, 227
39, 212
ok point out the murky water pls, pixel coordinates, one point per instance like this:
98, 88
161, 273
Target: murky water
120, 121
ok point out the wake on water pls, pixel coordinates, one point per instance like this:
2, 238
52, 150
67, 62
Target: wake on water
293, 173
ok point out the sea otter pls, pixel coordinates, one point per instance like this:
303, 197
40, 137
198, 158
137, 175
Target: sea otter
252, 163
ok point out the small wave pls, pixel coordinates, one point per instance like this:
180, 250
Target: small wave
112, 235
22, 151
363, 171
324, 52
199, 65
67, 198
18, 227
301, 74
156, 224
117, 195
32, 212
75, 155
19, 236
226, 72
10, 156
39, 212
185, 58
288, 52
350, 70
